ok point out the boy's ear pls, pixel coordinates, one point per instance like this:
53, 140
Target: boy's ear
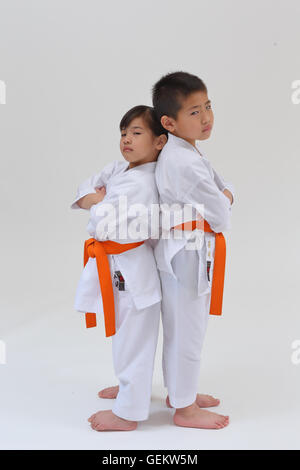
167, 123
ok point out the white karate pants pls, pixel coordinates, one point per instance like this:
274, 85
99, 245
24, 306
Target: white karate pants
133, 349
185, 316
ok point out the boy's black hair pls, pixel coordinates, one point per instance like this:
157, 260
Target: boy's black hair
168, 92
148, 114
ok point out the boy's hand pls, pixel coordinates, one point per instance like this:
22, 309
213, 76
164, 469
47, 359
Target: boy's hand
87, 201
228, 194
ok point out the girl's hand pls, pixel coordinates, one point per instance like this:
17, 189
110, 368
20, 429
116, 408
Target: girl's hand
100, 193
86, 202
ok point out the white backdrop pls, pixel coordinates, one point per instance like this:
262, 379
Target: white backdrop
71, 70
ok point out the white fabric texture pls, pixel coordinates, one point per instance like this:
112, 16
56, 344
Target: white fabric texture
137, 265
133, 349
185, 176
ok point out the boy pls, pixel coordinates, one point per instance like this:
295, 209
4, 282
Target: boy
185, 177
125, 265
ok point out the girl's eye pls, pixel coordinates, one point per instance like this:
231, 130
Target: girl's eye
208, 106
195, 112
138, 133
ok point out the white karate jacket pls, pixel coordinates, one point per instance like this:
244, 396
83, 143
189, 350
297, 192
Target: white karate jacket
183, 176
138, 265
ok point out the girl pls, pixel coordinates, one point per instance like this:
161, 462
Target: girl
120, 277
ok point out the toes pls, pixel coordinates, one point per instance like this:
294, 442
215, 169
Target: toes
109, 392
222, 421
98, 427
214, 399
222, 424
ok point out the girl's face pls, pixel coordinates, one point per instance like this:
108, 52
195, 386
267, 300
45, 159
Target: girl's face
138, 144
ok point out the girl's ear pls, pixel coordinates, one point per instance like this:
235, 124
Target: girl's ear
161, 141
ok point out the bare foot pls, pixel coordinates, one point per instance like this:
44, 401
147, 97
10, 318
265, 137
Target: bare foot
194, 417
204, 401
107, 421
109, 392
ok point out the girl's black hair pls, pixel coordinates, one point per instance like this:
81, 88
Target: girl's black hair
147, 113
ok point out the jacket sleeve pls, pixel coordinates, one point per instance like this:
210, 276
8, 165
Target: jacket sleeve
223, 184
198, 187
96, 181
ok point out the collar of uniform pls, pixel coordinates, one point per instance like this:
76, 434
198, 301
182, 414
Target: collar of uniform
199, 149
150, 167
173, 139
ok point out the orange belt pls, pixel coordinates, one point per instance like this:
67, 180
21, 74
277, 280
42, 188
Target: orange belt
219, 264
100, 249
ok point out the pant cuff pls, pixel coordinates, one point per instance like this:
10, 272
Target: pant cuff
182, 402
131, 414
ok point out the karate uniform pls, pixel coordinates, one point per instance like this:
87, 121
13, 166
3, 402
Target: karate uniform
137, 307
185, 176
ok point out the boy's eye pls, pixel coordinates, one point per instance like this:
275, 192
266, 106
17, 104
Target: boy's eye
196, 112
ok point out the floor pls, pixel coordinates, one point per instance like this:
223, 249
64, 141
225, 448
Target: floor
54, 368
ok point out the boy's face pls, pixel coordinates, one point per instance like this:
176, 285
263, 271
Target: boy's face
194, 120
138, 145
